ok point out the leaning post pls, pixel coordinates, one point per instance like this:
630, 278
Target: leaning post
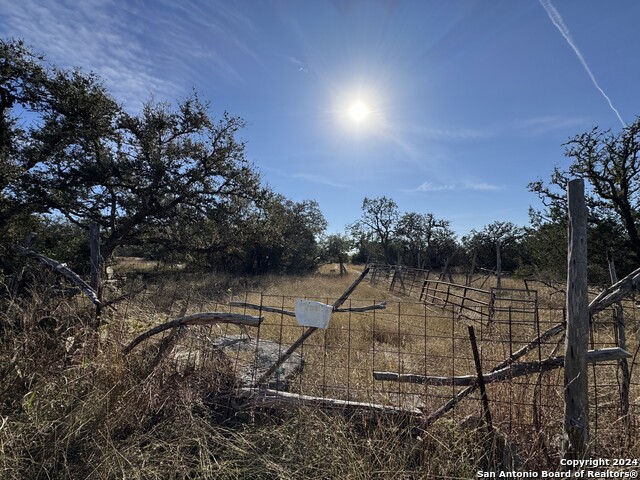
576, 399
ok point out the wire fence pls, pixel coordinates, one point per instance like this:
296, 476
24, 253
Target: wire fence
407, 337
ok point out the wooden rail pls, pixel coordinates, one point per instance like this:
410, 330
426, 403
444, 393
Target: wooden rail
430, 289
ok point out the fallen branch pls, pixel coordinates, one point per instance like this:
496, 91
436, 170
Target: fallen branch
262, 308
63, 270
615, 293
272, 398
506, 373
205, 318
544, 336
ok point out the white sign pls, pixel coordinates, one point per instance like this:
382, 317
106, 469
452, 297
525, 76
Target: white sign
312, 314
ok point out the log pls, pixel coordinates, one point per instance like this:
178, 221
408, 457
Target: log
204, 318
377, 306
503, 374
63, 270
262, 308
274, 398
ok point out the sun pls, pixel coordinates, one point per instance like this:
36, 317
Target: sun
358, 111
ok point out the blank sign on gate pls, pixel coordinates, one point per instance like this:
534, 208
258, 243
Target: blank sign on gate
312, 314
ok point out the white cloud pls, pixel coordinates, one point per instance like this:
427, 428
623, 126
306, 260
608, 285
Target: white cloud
310, 177
540, 125
138, 50
90, 35
429, 186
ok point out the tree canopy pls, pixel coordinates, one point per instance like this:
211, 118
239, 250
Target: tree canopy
175, 180
610, 165
147, 179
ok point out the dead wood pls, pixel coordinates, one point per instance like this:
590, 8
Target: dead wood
274, 398
205, 318
616, 292
262, 308
63, 270
506, 373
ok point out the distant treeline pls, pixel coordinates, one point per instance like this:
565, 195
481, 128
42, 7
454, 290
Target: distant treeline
173, 183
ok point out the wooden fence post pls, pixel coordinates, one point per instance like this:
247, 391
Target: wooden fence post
480, 379
623, 364
96, 267
576, 398
498, 264
473, 267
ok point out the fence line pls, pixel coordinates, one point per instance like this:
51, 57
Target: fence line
428, 287
406, 337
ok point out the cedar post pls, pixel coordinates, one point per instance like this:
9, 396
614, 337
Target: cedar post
576, 399
480, 379
623, 364
498, 264
473, 267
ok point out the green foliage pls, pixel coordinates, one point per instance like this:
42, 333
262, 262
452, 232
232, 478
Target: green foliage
425, 241
384, 235
610, 166
374, 232
84, 158
484, 244
283, 236
171, 181
335, 248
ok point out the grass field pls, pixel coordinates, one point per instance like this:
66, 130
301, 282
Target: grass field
73, 406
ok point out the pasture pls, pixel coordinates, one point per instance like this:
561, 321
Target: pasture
184, 404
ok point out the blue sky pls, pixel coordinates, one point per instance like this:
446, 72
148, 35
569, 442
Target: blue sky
467, 101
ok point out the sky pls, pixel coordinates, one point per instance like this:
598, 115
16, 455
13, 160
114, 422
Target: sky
449, 107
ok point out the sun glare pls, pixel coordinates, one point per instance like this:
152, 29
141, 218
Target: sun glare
358, 111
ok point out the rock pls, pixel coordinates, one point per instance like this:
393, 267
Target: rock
254, 359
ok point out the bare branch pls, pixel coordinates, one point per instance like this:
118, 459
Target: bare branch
205, 318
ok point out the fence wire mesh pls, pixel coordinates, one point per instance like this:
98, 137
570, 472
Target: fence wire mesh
408, 336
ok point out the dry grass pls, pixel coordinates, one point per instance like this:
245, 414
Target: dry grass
73, 406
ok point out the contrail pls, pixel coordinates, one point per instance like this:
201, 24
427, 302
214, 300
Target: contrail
556, 19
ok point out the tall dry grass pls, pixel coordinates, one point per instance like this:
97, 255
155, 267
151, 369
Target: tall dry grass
73, 406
